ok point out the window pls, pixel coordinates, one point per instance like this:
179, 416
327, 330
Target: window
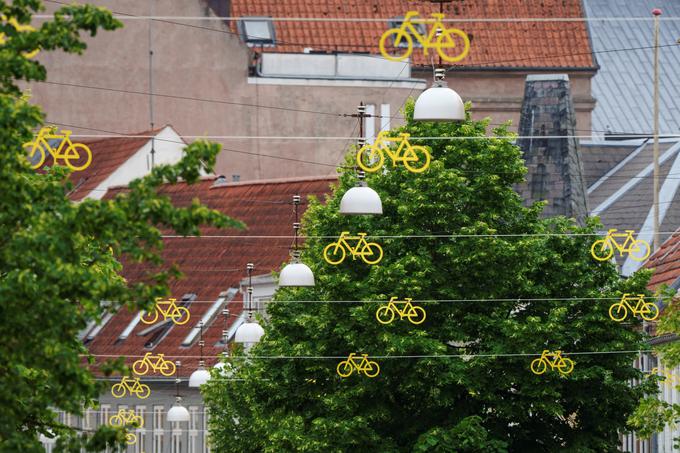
420, 28
158, 429
104, 414
87, 419
257, 31
176, 438
206, 422
193, 429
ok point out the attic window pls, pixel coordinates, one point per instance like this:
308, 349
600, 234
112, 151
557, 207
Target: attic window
420, 28
257, 31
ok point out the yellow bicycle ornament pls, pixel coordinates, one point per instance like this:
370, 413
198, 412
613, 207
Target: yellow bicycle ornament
127, 418
441, 38
155, 363
647, 310
20, 28
552, 360
603, 249
131, 386
370, 252
76, 156
413, 313
168, 309
368, 367
371, 157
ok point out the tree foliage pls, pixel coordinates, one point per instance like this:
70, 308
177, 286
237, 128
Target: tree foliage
435, 404
59, 260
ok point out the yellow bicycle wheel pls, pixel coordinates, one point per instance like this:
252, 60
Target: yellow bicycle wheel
538, 366
639, 250
168, 368
39, 160
344, 368
130, 438
453, 45
140, 367
118, 390
372, 369
143, 391
370, 158
116, 420
416, 159
396, 44
77, 156
334, 253
649, 312
180, 315
618, 312
371, 253
416, 315
565, 366
150, 317
384, 314
602, 250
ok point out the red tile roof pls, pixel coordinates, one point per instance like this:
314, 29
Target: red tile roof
537, 44
213, 265
665, 262
107, 155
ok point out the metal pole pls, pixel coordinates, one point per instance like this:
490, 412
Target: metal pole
656, 12
153, 139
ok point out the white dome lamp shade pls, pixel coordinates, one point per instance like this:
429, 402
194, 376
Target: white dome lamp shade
223, 367
296, 273
361, 199
250, 331
439, 102
201, 375
177, 412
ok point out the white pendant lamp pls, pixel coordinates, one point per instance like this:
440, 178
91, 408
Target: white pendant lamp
223, 367
439, 102
177, 412
201, 375
250, 331
361, 200
296, 273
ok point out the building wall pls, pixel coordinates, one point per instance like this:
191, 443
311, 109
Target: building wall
193, 61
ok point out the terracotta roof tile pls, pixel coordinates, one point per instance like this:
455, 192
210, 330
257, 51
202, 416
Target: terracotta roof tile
665, 262
493, 44
107, 155
213, 265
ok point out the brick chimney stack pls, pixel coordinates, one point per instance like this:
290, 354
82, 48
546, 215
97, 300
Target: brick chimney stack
551, 152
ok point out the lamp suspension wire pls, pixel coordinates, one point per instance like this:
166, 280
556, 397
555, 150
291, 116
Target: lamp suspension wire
151, 117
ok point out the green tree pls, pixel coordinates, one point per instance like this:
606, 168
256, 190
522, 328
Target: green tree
59, 260
436, 404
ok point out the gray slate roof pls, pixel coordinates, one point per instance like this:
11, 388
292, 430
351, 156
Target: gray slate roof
622, 195
623, 86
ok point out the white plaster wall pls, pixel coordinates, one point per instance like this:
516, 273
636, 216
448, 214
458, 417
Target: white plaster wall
169, 148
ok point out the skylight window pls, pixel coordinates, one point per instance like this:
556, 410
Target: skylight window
257, 31
420, 28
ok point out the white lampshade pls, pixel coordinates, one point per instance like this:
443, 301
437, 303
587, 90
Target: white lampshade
296, 274
439, 102
199, 377
178, 413
47, 440
249, 332
361, 200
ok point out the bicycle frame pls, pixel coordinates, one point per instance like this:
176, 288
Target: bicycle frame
638, 305
392, 304
360, 366
611, 240
353, 250
135, 387
428, 40
556, 356
170, 304
155, 362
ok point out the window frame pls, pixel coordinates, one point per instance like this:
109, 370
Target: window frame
270, 42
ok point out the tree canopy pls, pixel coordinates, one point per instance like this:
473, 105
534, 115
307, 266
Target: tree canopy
500, 287
60, 260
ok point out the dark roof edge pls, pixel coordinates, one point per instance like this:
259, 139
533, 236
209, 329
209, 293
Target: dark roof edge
592, 69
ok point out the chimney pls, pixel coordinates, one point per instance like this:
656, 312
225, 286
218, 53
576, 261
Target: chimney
551, 153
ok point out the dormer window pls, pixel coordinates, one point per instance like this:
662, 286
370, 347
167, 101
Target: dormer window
257, 31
